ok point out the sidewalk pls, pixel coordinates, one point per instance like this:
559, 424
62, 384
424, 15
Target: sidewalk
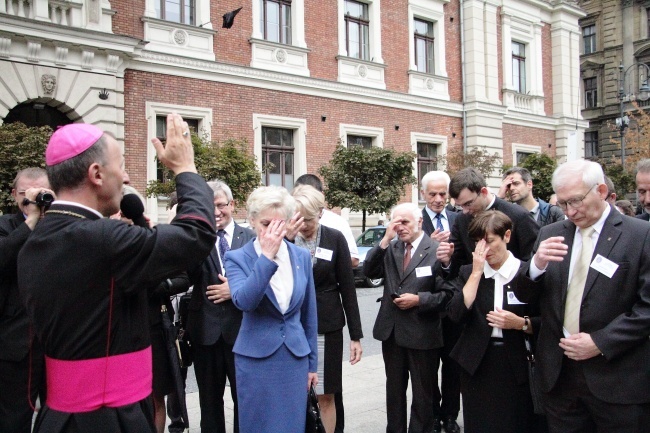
364, 396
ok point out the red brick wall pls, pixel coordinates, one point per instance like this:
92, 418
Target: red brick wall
525, 135
128, 19
233, 107
321, 35
547, 69
231, 45
452, 50
395, 44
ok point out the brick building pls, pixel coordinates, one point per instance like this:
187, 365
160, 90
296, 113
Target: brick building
615, 41
295, 77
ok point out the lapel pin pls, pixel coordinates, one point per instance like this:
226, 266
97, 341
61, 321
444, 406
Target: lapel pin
609, 239
297, 267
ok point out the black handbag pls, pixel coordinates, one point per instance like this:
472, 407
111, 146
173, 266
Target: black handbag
535, 392
314, 424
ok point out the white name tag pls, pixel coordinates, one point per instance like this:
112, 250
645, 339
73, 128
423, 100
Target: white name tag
604, 266
324, 254
512, 299
424, 271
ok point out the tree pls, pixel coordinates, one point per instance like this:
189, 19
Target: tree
228, 161
367, 180
478, 158
20, 147
541, 167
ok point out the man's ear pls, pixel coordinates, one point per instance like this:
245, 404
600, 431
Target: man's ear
95, 175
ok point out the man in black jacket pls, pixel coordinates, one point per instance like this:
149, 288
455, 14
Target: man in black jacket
517, 186
16, 408
213, 321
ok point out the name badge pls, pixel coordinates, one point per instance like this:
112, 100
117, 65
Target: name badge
423, 271
604, 266
324, 254
512, 299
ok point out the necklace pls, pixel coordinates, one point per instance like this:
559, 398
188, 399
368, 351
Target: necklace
65, 212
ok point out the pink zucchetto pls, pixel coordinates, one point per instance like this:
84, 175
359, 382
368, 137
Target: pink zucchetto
71, 140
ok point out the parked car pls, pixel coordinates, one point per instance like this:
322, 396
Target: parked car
368, 239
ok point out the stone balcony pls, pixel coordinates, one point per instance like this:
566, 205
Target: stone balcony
86, 14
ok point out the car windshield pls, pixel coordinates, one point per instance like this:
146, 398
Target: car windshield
371, 237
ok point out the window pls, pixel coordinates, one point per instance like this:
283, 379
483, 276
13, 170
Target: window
162, 174
519, 67
178, 11
591, 144
589, 38
358, 140
424, 46
427, 158
357, 28
521, 157
591, 92
277, 157
275, 20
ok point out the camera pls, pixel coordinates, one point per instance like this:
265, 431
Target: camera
44, 199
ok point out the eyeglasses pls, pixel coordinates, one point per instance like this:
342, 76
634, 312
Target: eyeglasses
574, 202
469, 203
222, 206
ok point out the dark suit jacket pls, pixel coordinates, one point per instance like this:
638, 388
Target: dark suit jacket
474, 340
206, 320
429, 227
418, 327
615, 311
334, 283
14, 323
644, 216
524, 233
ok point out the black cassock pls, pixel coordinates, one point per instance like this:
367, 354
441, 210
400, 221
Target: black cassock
84, 279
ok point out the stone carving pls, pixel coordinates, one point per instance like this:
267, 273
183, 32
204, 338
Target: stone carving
281, 56
363, 71
180, 37
48, 81
429, 83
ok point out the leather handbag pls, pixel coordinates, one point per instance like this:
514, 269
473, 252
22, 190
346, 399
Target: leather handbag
314, 424
535, 392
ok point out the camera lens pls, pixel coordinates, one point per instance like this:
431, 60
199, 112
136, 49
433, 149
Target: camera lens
44, 199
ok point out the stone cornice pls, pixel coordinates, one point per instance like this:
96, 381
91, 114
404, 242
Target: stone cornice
246, 76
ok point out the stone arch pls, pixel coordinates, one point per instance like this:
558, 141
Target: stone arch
37, 112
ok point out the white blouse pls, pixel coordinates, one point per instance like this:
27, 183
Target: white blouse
501, 277
282, 280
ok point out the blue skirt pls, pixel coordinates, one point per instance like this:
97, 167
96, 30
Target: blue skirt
272, 392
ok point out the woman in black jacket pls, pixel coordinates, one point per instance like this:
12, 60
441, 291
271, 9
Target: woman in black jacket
336, 298
491, 349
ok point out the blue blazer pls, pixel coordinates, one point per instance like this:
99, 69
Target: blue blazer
264, 328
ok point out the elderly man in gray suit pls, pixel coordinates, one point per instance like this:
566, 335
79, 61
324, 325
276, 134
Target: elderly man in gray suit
408, 323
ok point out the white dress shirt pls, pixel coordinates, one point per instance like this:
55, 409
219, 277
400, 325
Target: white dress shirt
282, 280
501, 277
443, 218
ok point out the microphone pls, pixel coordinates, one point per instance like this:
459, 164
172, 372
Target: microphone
133, 209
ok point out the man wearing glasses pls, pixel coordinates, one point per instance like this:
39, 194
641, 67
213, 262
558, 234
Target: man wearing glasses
591, 275
470, 191
15, 340
213, 320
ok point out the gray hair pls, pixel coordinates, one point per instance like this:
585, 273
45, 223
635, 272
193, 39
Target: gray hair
409, 207
218, 186
521, 171
270, 197
32, 173
72, 172
309, 200
590, 172
643, 166
433, 176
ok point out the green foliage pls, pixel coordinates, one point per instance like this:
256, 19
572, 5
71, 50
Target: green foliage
624, 180
368, 180
478, 158
20, 147
228, 161
541, 167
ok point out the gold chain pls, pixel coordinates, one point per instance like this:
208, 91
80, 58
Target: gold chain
65, 212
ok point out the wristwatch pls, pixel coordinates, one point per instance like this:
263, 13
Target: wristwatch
526, 323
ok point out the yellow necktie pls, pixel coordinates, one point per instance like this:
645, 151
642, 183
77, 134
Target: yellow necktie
577, 283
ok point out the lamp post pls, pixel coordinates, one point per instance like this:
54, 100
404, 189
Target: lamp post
644, 94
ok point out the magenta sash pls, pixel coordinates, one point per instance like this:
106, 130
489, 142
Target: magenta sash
89, 384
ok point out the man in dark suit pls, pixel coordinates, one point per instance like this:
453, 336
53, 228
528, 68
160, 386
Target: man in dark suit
591, 275
213, 321
408, 322
643, 187
16, 408
470, 191
437, 222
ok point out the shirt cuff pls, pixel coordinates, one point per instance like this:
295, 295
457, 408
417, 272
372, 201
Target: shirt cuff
534, 271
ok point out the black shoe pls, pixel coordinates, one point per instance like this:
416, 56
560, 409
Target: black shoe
437, 425
451, 426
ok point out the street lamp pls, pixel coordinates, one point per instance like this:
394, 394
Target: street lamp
643, 95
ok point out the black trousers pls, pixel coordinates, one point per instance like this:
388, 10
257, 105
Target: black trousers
449, 406
421, 365
572, 408
212, 365
16, 400
177, 424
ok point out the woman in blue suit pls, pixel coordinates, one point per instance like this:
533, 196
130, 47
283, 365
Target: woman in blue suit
276, 350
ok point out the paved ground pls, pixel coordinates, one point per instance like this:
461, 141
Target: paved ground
364, 392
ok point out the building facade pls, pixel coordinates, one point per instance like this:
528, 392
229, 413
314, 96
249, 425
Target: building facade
297, 77
615, 40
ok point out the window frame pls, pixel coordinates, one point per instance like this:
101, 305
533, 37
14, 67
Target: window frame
162, 11
362, 23
441, 143
282, 29
589, 39
283, 150
377, 134
591, 145
591, 92
520, 61
523, 148
429, 41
